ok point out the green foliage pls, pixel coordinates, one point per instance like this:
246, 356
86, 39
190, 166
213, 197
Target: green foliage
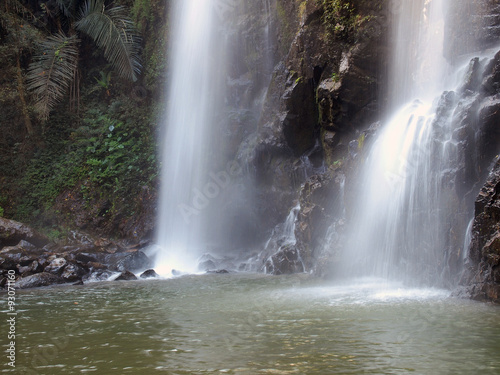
142, 14
113, 153
105, 80
151, 18
106, 157
340, 18
16, 19
361, 141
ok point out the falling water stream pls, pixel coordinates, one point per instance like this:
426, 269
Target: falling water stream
399, 227
195, 95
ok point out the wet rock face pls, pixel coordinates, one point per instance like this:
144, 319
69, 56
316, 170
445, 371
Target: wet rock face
322, 91
286, 261
484, 256
471, 26
321, 204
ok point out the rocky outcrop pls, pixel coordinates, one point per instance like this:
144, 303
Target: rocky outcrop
321, 207
81, 258
322, 91
285, 262
483, 274
12, 232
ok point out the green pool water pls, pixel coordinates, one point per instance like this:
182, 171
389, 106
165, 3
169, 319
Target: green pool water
250, 324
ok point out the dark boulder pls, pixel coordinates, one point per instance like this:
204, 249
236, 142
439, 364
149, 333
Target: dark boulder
286, 261
136, 261
97, 276
126, 276
84, 258
7, 263
38, 280
56, 266
149, 274
32, 268
219, 272
73, 272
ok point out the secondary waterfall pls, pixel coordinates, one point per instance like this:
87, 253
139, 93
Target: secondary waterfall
397, 230
197, 70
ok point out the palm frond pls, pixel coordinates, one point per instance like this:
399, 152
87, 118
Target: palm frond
52, 71
114, 33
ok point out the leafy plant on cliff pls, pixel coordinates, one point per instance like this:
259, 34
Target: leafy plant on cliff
110, 157
340, 18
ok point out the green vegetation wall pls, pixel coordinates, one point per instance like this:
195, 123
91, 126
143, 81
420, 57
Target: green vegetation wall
91, 163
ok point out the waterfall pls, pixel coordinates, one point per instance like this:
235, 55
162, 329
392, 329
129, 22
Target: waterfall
397, 229
196, 91
418, 68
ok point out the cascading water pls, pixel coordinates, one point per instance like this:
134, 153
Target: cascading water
198, 64
397, 229
282, 238
212, 96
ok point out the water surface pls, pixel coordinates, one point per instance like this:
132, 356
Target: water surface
252, 324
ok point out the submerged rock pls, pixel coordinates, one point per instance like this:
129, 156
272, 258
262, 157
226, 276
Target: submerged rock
219, 272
